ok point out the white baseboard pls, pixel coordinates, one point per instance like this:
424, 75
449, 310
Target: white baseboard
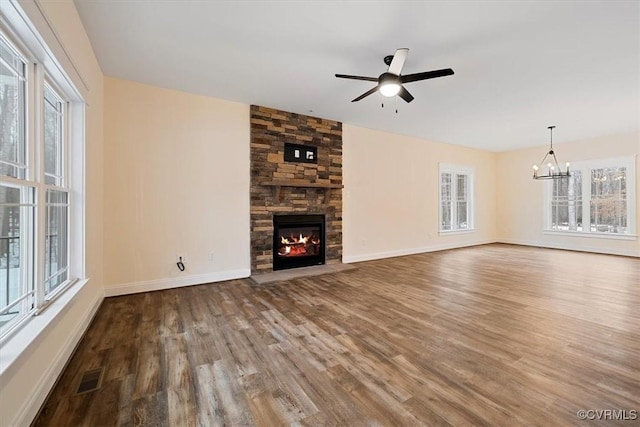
579, 248
409, 251
27, 413
174, 282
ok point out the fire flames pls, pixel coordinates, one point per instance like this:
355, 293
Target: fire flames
298, 245
301, 239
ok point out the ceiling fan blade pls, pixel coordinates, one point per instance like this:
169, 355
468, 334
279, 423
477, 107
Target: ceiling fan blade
367, 93
346, 76
404, 94
426, 75
398, 61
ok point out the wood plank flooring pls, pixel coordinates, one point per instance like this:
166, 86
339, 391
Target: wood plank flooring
489, 335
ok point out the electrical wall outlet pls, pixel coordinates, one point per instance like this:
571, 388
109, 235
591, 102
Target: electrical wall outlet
210, 256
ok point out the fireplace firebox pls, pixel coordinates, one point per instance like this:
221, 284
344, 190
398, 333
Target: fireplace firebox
298, 241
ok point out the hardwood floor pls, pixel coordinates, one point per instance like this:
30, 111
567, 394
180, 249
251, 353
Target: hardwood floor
489, 335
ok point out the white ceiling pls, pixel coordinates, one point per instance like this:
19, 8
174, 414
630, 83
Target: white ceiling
519, 65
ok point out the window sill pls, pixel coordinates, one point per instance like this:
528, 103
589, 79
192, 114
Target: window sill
454, 232
25, 333
591, 235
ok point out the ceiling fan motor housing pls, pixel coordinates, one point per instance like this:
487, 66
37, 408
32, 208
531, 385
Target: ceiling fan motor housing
387, 78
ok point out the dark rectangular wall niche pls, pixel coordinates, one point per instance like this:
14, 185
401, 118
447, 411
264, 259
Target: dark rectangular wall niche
296, 153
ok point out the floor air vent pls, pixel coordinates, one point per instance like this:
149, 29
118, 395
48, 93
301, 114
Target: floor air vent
90, 381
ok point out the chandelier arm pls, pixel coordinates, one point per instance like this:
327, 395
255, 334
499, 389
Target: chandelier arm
556, 160
543, 159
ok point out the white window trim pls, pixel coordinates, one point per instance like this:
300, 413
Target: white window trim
458, 169
630, 164
21, 33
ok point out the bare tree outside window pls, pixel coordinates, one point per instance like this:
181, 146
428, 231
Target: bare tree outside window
566, 203
608, 200
446, 200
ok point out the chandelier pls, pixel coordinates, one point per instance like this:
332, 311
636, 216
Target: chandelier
553, 169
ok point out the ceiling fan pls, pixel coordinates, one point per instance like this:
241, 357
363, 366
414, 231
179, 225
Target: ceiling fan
390, 82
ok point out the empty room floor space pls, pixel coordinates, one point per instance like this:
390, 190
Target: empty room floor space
487, 335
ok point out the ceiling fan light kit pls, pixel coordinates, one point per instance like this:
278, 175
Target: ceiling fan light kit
391, 83
553, 169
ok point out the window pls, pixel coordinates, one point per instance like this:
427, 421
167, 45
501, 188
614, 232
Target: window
566, 203
598, 199
456, 198
608, 204
53, 137
36, 203
13, 75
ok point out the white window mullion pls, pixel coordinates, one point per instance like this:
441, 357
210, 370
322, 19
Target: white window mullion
38, 148
31, 250
27, 250
64, 152
586, 199
30, 131
75, 183
454, 201
631, 198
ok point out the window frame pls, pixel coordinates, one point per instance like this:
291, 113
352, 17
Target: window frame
43, 71
456, 170
585, 167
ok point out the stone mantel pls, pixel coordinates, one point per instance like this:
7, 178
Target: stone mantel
278, 184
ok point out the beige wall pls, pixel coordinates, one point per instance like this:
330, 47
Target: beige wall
24, 384
520, 198
176, 182
391, 194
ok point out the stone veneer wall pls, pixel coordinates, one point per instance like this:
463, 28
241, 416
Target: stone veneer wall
270, 129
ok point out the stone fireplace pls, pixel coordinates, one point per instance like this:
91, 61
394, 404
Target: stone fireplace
289, 194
